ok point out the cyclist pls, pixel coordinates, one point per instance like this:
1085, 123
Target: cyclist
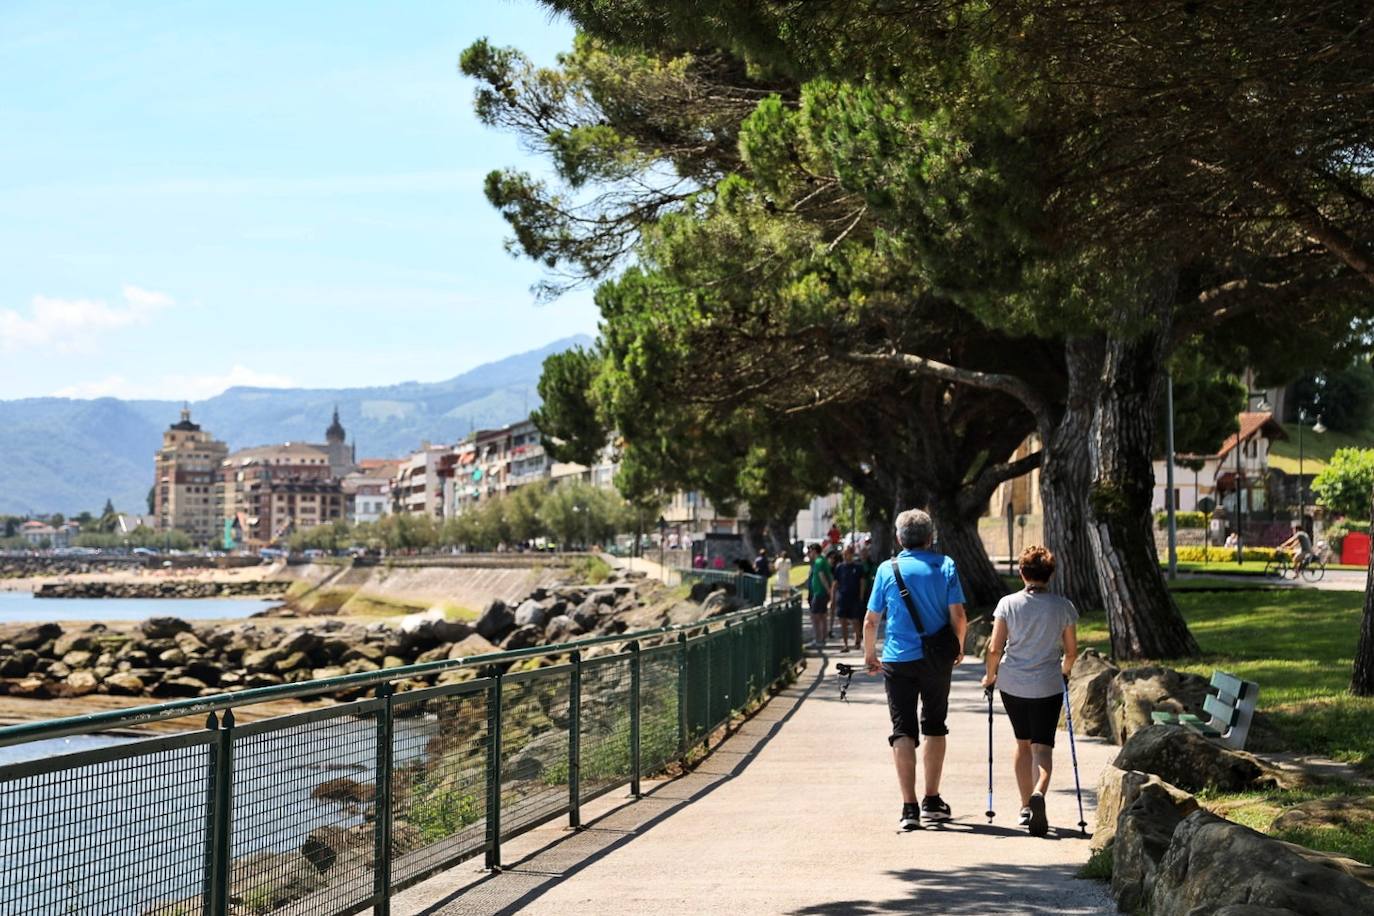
1300, 547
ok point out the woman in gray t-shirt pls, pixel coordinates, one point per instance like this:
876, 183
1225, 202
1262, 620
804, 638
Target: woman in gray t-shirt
1034, 642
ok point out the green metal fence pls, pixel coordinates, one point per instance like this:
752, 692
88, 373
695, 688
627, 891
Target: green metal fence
748, 586
328, 812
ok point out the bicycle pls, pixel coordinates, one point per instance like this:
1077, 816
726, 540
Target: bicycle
1278, 567
1312, 568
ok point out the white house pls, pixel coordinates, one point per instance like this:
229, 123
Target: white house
1243, 458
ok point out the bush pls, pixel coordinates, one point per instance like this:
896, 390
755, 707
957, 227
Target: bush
1222, 554
1182, 519
1344, 485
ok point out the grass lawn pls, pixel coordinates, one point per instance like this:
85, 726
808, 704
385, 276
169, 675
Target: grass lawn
1298, 645
1247, 568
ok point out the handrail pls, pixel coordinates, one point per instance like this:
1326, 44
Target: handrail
176, 709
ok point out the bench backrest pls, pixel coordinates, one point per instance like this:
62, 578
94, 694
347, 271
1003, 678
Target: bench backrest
1232, 707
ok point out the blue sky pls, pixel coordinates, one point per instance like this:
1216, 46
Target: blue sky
199, 194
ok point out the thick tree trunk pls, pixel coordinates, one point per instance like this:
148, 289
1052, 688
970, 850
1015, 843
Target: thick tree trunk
1362, 679
1142, 617
959, 539
1065, 481
780, 535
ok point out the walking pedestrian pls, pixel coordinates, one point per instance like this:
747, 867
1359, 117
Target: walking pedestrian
782, 582
1033, 646
919, 594
820, 585
849, 586
761, 564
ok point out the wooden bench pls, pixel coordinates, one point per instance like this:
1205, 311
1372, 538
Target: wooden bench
1230, 710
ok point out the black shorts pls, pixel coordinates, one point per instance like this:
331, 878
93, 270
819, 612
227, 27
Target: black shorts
820, 603
1033, 719
908, 682
850, 608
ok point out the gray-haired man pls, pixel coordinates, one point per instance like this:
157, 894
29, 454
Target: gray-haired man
934, 593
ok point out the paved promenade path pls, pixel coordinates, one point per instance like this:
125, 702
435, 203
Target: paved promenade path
797, 813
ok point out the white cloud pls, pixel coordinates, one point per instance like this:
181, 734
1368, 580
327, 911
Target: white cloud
73, 325
176, 387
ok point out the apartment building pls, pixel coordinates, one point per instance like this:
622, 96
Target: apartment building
185, 472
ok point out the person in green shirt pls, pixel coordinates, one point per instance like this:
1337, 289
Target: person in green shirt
820, 587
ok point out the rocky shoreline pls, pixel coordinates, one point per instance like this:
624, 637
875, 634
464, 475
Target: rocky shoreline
163, 588
167, 657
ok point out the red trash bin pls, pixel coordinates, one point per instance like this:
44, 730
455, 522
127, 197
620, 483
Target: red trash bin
1355, 549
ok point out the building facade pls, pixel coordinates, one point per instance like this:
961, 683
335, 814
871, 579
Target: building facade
186, 470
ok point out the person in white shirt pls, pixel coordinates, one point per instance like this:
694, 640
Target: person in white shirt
782, 581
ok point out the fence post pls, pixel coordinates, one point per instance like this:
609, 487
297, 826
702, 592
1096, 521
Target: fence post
381, 886
729, 640
218, 837
635, 677
575, 742
494, 773
682, 694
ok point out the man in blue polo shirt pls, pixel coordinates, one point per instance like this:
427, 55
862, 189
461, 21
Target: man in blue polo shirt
932, 584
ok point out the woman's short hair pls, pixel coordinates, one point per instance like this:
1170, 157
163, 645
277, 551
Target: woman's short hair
1037, 563
915, 529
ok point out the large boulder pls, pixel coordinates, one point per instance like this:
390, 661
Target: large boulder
78, 684
496, 621
1118, 789
531, 614
182, 686
523, 638
1213, 863
124, 684
447, 631
470, 646
73, 642
587, 615
163, 627
1136, 692
1089, 683
1189, 761
1143, 834
37, 636
561, 628
701, 590
262, 660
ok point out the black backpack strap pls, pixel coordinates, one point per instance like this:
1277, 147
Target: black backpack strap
906, 598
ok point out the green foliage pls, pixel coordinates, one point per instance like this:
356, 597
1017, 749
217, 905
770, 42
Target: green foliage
1343, 398
1345, 484
1099, 866
1193, 554
1298, 645
1182, 519
573, 430
439, 810
591, 570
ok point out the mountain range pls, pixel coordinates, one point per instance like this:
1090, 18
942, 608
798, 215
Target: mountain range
66, 455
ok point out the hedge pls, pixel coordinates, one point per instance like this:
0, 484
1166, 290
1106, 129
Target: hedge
1223, 554
1182, 519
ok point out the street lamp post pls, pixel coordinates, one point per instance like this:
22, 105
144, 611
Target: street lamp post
1317, 428
1169, 476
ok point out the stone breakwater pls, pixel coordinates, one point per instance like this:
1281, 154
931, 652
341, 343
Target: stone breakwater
163, 588
170, 658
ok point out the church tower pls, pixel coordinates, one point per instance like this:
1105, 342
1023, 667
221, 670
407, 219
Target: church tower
336, 440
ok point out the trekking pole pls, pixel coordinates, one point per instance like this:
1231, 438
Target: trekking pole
1073, 753
987, 692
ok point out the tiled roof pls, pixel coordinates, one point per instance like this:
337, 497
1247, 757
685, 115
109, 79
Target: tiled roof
1252, 423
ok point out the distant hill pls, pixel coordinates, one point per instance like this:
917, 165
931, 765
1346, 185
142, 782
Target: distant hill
66, 455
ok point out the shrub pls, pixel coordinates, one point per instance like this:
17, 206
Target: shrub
1182, 519
1344, 485
1222, 554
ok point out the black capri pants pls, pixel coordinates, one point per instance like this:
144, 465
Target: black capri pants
909, 683
1033, 719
